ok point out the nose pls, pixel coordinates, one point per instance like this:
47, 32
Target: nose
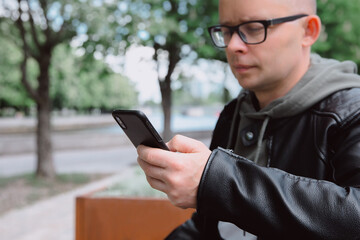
236, 44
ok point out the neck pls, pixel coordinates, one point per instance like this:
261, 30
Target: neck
267, 95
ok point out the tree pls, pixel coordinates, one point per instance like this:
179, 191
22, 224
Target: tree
91, 85
38, 27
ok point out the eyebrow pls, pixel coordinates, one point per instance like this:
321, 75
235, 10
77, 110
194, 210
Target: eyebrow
253, 18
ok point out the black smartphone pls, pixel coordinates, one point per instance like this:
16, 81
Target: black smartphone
138, 128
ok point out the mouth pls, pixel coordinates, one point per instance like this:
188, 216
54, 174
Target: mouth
240, 68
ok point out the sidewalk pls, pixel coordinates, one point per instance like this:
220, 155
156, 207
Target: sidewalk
53, 218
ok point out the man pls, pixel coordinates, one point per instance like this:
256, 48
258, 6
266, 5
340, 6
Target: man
293, 171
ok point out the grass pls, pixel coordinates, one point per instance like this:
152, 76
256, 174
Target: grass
23, 190
32, 180
6, 180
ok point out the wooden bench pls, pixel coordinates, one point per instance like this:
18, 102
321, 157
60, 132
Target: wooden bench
114, 218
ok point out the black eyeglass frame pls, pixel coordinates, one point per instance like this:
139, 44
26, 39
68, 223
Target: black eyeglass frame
265, 23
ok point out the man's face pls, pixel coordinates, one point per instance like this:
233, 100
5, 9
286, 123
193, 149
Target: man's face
272, 65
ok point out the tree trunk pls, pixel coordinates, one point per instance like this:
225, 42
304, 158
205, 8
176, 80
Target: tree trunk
166, 91
45, 163
166, 105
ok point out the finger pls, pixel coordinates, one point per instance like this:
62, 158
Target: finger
151, 170
184, 144
157, 184
153, 156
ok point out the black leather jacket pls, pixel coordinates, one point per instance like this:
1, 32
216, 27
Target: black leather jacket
311, 189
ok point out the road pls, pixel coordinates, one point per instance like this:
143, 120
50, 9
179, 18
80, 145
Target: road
103, 160
74, 151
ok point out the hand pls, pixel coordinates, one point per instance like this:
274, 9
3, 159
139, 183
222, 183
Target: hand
176, 172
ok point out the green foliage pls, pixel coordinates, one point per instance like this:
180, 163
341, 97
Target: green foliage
77, 81
341, 29
63, 20
12, 93
174, 23
83, 84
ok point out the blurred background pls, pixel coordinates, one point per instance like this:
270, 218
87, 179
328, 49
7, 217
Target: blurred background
65, 65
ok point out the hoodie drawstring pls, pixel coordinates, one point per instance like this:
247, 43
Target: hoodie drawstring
260, 138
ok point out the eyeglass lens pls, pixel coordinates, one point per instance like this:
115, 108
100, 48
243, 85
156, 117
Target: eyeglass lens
251, 33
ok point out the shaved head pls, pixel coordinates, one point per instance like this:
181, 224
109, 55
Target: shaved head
308, 6
314, 5
295, 6
303, 6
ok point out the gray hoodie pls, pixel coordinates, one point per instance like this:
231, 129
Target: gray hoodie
324, 77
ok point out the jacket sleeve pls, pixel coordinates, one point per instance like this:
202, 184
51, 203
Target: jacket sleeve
187, 230
272, 203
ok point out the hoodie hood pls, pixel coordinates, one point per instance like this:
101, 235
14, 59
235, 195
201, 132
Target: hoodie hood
324, 77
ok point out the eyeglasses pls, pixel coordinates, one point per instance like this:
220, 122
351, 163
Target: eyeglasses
252, 32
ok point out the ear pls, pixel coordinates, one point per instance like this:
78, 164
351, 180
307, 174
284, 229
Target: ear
312, 30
